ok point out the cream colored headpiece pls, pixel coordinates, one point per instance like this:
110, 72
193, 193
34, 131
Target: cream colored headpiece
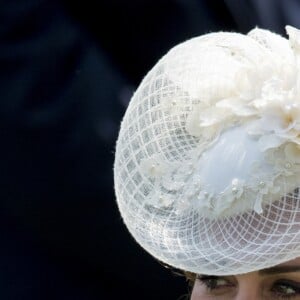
207, 164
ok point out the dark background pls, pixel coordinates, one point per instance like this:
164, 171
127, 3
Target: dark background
67, 71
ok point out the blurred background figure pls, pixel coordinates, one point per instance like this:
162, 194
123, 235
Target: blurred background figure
68, 70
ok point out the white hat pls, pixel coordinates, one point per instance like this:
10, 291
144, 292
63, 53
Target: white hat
207, 166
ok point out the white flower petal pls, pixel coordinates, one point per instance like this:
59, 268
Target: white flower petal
192, 125
237, 107
272, 123
258, 204
269, 141
153, 167
254, 128
213, 115
292, 152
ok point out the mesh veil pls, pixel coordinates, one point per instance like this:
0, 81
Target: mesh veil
205, 182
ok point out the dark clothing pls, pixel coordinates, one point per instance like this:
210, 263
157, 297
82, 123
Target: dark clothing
67, 72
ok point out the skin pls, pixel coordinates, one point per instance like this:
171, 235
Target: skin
281, 282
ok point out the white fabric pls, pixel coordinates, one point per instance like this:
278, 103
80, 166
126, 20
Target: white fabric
207, 165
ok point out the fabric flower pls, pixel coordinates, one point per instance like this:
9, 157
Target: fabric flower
153, 167
264, 188
229, 196
204, 201
159, 200
237, 107
278, 125
206, 121
292, 152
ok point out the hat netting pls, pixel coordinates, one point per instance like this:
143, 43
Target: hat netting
207, 166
